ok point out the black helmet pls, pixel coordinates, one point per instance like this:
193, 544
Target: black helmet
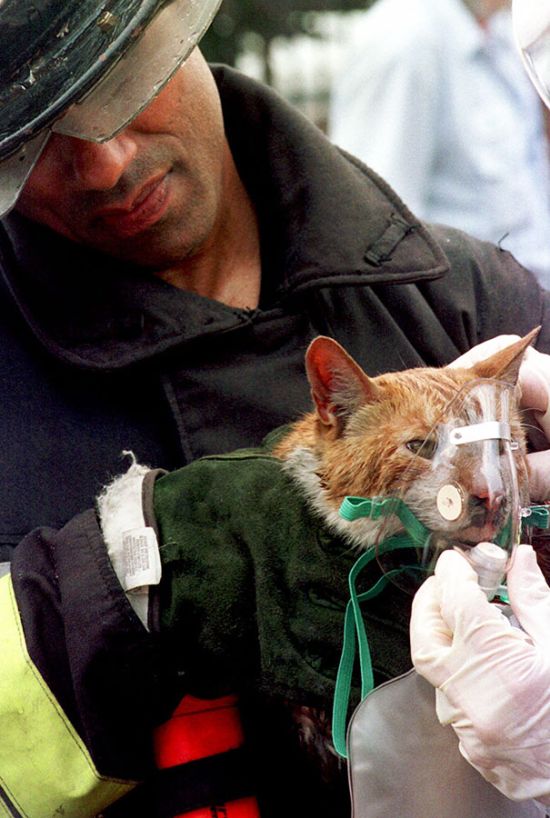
84, 68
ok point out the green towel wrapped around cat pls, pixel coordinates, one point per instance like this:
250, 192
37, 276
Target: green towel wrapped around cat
255, 556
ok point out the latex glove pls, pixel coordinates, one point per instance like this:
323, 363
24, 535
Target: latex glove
539, 476
534, 384
492, 680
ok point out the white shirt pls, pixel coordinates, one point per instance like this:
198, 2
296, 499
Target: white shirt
443, 110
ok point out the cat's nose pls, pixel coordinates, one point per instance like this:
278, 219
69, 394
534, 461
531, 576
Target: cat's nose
486, 504
487, 493
484, 517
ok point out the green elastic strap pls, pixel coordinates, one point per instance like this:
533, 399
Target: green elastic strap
353, 508
354, 631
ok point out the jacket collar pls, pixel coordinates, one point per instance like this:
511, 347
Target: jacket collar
334, 220
325, 219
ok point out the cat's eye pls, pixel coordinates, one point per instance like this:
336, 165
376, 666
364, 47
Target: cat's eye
423, 448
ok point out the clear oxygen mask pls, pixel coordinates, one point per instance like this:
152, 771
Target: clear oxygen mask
465, 487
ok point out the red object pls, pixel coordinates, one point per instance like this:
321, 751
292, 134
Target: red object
199, 728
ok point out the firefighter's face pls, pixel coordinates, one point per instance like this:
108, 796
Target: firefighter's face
152, 194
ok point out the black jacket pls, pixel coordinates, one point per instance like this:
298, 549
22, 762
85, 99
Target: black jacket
96, 358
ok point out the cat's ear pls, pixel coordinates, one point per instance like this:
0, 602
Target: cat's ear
338, 384
504, 365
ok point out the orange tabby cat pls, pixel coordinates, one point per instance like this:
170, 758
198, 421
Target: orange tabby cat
372, 436
369, 436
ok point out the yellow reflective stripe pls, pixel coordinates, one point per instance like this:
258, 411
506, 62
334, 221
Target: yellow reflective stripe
45, 768
4, 811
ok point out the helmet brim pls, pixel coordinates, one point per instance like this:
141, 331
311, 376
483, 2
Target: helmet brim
83, 46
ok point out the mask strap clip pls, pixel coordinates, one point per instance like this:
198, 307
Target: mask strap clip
536, 516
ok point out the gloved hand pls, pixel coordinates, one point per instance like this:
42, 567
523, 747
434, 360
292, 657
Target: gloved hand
534, 375
492, 679
534, 383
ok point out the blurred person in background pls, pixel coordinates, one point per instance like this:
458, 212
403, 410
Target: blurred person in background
432, 95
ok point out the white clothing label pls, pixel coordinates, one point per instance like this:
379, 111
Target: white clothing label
141, 559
